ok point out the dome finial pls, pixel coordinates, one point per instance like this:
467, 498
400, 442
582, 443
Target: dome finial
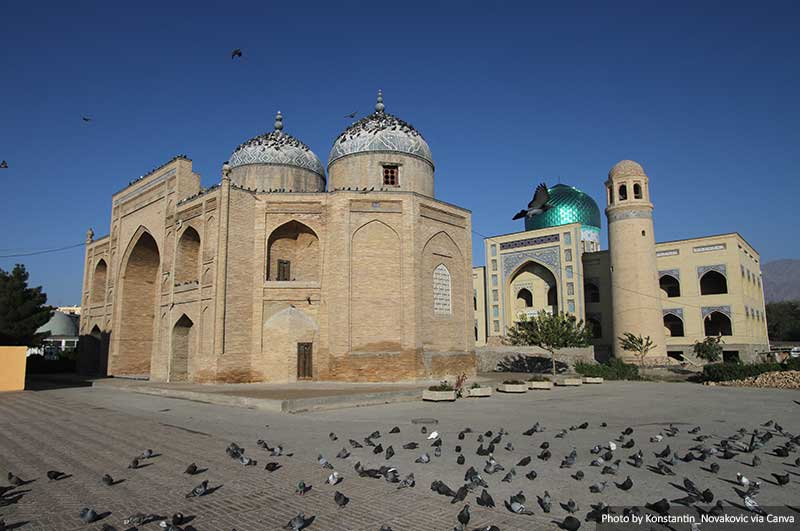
278, 121
379, 106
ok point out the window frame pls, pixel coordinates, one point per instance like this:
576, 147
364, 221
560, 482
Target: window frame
386, 170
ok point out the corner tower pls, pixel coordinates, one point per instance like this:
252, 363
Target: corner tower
635, 296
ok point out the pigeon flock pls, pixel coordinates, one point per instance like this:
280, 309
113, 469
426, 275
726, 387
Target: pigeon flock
485, 459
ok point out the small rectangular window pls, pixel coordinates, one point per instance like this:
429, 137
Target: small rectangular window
571, 306
568, 255
284, 270
570, 288
494, 281
568, 238
390, 175
569, 271
496, 326
494, 295
494, 265
495, 311
493, 250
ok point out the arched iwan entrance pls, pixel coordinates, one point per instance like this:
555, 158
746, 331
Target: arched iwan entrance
184, 345
540, 282
138, 309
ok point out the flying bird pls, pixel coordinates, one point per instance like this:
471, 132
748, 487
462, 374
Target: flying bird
537, 205
3, 165
236, 53
351, 115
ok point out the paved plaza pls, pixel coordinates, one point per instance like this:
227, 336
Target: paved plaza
88, 432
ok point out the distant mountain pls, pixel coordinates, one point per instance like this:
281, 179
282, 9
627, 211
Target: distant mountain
781, 280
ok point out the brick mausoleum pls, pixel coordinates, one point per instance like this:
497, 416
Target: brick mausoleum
281, 272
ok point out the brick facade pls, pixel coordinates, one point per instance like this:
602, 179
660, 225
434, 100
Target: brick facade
191, 288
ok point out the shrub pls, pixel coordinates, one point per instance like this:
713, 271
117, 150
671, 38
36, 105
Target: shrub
613, 369
475, 385
538, 378
722, 372
792, 364
513, 382
443, 386
710, 349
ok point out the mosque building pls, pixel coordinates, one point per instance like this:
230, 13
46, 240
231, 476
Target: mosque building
675, 292
285, 271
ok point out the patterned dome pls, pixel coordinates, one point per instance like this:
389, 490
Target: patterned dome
380, 131
570, 205
279, 148
626, 168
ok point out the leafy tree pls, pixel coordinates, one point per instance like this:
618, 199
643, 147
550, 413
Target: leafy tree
639, 345
550, 332
22, 309
709, 349
783, 320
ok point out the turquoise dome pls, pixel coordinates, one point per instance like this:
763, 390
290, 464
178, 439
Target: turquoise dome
569, 205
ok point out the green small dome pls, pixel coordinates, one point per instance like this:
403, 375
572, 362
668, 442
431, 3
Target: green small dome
569, 205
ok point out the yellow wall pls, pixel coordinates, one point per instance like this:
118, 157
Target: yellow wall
12, 375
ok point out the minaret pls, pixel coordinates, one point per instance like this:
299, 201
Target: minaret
635, 294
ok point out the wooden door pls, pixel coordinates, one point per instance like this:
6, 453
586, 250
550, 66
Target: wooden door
304, 369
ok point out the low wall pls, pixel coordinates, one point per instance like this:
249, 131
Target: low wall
12, 368
528, 359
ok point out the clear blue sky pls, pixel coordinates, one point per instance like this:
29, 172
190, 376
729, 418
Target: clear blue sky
705, 97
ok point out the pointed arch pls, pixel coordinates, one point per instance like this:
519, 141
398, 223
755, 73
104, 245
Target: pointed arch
524, 298
99, 280
442, 291
713, 283
293, 253
446, 319
717, 324
439, 235
673, 325
184, 346
670, 285
376, 288
138, 291
544, 283
187, 257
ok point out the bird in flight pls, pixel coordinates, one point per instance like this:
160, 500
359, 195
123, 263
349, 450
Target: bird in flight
86, 118
236, 53
537, 205
351, 115
4, 165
